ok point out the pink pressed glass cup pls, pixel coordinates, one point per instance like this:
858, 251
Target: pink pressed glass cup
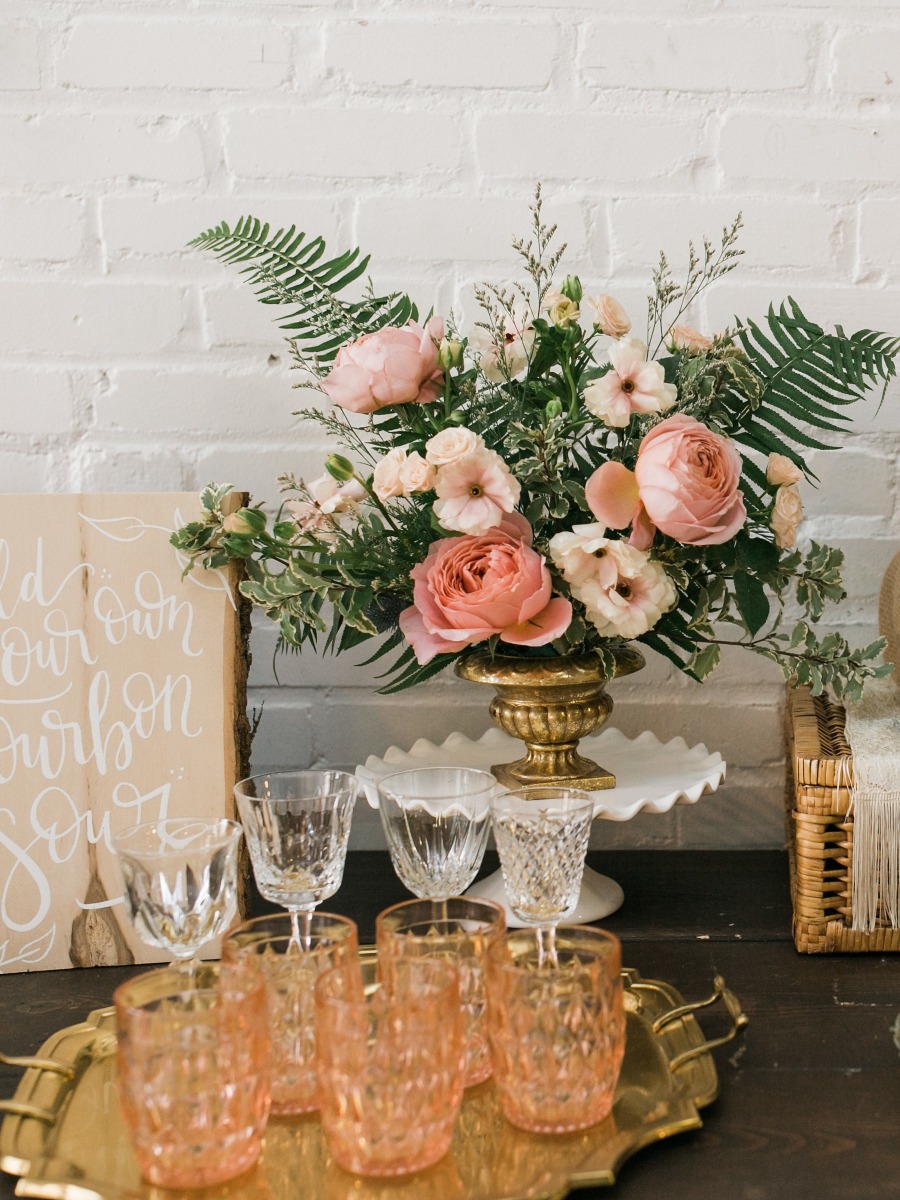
459, 930
193, 1071
290, 969
390, 1045
557, 1026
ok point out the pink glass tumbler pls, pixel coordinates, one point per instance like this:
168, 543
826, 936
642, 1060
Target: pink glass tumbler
193, 1071
390, 1045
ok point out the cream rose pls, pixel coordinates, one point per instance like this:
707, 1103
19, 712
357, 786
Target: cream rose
780, 470
561, 310
684, 337
787, 513
451, 444
386, 478
609, 316
416, 475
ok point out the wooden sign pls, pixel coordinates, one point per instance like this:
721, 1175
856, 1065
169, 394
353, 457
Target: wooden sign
122, 700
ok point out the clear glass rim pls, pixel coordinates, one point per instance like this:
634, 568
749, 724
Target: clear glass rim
492, 922
220, 832
350, 783
387, 786
579, 939
573, 801
250, 934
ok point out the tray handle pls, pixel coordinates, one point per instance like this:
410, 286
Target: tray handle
739, 1021
15, 1108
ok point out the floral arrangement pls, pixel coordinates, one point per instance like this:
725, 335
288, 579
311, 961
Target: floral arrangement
546, 483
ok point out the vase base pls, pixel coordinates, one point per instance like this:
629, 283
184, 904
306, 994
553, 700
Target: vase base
587, 776
600, 896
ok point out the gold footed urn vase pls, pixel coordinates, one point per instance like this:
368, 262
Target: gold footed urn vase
550, 704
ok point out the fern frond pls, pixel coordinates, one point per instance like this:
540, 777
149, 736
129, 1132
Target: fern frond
808, 376
291, 269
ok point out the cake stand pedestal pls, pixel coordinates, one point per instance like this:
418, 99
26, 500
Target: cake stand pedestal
651, 776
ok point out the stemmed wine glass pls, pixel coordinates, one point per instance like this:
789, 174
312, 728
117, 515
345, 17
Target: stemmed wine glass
436, 821
297, 824
542, 832
181, 881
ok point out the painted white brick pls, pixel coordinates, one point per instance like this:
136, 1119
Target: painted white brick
161, 227
459, 229
765, 147
865, 62
41, 228
344, 143
800, 234
235, 318
852, 484
879, 238
23, 472
196, 402
467, 53
178, 53
737, 56
35, 402
20, 65
99, 318
577, 145
255, 468
114, 468
78, 149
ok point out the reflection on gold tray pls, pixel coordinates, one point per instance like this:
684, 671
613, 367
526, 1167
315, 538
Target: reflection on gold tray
63, 1134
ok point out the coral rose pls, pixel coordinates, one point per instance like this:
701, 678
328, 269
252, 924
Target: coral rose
390, 366
470, 588
689, 482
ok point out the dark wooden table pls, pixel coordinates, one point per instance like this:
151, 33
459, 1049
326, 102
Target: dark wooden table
809, 1107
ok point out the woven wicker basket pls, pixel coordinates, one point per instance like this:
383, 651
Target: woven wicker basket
820, 831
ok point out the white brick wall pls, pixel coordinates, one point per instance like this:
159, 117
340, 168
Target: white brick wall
417, 128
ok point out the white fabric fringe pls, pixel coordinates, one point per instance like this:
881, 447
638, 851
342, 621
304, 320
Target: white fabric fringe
873, 732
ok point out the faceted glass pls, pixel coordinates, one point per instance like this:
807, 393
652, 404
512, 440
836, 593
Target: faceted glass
290, 970
297, 824
181, 881
193, 1071
391, 1053
436, 821
459, 930
542, 837
557, 1027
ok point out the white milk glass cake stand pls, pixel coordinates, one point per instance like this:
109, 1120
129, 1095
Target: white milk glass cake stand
651, 776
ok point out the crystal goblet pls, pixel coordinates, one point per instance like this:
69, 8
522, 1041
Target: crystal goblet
436, 821
297, 824
181, 881
542, 834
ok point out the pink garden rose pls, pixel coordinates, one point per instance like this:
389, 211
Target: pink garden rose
470, 588
685, 483
390, 366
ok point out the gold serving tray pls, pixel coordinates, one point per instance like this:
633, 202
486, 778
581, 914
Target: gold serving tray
64, 1138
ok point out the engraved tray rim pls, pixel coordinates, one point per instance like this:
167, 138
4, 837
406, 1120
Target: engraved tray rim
695, 1086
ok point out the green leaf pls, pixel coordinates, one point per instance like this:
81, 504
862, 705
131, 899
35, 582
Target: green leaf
752, 602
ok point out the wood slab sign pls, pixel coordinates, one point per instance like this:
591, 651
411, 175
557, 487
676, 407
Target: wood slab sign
122, 700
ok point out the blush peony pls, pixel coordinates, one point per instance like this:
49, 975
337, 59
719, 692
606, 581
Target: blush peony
623, 591
689, 482
470, 588
390, 366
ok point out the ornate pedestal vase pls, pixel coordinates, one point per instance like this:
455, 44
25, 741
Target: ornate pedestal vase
550, 704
